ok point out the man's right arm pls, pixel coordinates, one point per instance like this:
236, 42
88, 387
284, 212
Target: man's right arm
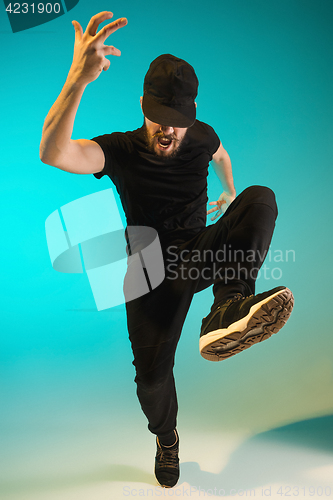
57, 148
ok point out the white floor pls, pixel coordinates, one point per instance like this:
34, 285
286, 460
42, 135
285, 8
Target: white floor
93, 467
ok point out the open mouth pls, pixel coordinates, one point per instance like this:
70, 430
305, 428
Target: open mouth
164, 143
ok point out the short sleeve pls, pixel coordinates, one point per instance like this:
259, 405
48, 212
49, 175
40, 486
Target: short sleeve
105, 142
204, 136
214, 141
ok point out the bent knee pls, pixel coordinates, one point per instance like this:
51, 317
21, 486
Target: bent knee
261, 194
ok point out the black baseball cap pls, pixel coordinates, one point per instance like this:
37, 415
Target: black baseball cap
169, 90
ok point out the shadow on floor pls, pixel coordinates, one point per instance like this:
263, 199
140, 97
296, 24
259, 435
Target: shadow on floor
285, 455
315, 433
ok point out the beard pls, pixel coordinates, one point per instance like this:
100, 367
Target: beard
154, 144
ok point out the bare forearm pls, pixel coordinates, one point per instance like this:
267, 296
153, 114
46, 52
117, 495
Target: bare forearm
59, 122
223, 170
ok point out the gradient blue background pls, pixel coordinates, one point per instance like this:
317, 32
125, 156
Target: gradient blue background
67, 391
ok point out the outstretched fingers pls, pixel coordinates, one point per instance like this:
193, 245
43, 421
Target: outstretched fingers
96, 20
78, 30
217, 208
90, 53
109, 50
213, 210
110, 28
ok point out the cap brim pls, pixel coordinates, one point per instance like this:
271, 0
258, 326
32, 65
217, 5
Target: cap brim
178, 116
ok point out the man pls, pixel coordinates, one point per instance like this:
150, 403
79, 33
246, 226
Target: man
160, 173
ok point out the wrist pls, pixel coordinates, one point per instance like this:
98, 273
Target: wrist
231, 192
75, 82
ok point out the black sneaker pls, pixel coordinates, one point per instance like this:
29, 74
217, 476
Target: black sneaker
241, 322
167, 463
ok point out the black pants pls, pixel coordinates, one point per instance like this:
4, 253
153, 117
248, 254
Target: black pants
228, 255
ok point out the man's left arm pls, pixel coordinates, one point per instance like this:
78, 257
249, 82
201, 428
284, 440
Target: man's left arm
223, 169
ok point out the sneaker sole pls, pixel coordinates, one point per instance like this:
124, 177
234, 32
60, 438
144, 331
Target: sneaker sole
263, 320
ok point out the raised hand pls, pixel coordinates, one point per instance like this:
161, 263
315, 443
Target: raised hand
89, 50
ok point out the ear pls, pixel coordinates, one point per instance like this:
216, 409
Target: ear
195, 104
141, 98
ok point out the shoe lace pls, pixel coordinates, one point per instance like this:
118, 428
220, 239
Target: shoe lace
237, 297
168, 457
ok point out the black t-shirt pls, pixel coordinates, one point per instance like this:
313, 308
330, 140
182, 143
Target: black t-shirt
169, 195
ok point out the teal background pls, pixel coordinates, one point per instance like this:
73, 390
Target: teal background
67, 394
